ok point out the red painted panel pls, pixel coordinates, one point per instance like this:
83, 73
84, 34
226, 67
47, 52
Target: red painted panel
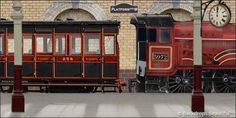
92, 58
10, 58
160, 58
28, 58
110, 59
68, 58
44, 58
2, 58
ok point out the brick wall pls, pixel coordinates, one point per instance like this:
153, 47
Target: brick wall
100, 9
127, 35
78, 15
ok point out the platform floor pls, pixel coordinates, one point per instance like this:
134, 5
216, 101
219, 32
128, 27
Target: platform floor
118, 105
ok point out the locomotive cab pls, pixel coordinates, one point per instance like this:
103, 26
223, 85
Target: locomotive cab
154, 45
165, 55
160, 50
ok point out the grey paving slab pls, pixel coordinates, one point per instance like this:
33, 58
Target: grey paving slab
118, 105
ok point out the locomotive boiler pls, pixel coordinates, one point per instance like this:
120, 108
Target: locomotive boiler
73, 54
164, 55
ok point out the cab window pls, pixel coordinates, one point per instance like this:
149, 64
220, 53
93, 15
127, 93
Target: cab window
92, 43
142, 36
152, 35
164, 36
1, 44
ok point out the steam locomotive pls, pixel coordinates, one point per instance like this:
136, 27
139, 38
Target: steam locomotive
79, 54
164, 55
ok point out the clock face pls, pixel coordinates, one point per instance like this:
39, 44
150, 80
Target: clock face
220, 15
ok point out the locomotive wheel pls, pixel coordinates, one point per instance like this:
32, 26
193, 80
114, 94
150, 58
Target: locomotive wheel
207, 81
207, 87
140, 86
181, 82
224, 81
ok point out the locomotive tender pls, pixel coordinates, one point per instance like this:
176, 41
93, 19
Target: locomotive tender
63, 53
164, 54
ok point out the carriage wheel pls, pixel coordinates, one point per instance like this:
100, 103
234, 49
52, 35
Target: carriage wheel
25, 89
181, 82
89, 89
120, 89
10, 89
224, 81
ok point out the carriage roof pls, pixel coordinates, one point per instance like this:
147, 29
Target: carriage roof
152, 20
63, 26
106, 22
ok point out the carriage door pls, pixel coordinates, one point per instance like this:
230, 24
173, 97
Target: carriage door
68, 56
92, 55
44, 59
160, 53
110, 63
28, 56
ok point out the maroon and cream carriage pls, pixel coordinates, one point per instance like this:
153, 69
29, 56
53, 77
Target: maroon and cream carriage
63, 53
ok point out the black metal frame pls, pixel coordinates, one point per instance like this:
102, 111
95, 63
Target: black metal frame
207, 4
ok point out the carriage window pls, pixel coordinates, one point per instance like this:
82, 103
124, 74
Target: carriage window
1, 44
10, 44
60, 44
44, 44
76, 44
152, 35
27, 45
165, 36
92, 43
109, 45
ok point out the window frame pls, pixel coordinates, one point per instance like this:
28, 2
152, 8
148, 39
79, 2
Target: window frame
148, 36
7, 43
159, 35
115, 39
2, 43
32, 43
55, 43
100, 44
36, 43
71, 43
138, 34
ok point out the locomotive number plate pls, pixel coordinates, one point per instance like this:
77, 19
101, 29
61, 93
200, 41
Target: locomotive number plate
159, 57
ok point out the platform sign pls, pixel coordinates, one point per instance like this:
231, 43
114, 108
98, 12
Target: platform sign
124, 8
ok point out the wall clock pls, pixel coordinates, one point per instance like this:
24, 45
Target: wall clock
219, 15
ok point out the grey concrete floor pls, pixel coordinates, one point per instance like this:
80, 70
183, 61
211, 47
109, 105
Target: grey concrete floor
118, 105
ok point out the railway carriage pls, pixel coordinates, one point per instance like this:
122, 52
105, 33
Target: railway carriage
165, 55
63, 53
